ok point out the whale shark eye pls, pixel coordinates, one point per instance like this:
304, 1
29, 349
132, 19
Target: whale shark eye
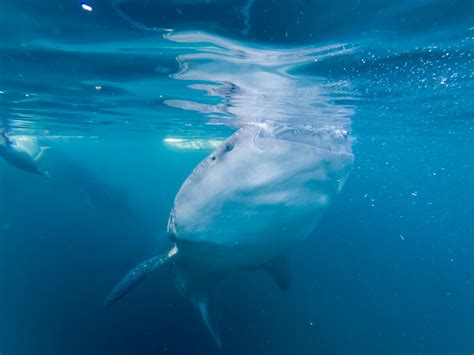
228, 147
213, 157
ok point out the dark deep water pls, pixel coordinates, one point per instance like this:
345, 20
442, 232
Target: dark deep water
129, 112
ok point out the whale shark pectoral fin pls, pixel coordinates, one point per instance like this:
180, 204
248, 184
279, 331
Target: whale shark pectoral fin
137, 275
211, 323
195, 285
280, 270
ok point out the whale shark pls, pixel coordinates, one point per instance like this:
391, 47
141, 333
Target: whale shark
245, 206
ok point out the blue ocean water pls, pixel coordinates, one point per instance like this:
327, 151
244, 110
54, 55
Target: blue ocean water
130, 95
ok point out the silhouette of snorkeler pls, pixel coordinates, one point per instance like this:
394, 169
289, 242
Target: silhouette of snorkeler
19, 157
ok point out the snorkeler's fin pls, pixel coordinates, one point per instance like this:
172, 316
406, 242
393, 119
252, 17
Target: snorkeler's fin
137, 275
46, 175
280, 270
201, 305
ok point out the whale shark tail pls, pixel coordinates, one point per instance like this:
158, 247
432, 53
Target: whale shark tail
137, 275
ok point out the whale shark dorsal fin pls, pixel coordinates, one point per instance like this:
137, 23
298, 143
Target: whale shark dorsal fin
211, 324
280, 270
137, 275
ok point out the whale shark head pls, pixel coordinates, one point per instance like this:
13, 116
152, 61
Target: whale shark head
260, 192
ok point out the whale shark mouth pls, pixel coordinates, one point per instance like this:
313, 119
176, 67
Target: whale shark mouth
172, 234
193, 144
327, 139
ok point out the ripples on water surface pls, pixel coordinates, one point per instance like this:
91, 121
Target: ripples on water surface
133, 94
